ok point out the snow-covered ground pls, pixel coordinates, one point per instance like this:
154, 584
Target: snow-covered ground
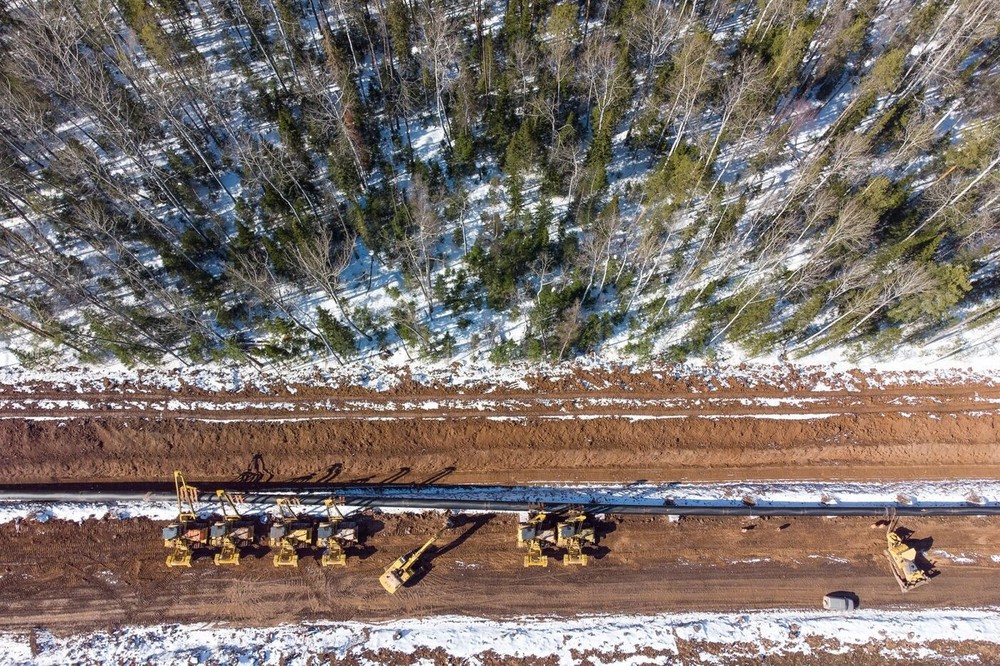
611, 639
385, 375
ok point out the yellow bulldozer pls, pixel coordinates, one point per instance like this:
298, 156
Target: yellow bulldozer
903, 559
231, 533
400, 572
187, 533
335, 535
290, 533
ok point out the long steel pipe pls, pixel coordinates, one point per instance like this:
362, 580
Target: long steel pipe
415, 497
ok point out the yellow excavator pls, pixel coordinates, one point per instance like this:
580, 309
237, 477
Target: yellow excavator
334, 535
902, 559
231, 533
187, 533
406, 567
531, 534
289, 533
572, 534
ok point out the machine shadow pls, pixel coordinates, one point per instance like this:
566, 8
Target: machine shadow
437, 476
602, 529
475, 523
256, 471
325, 475
367, 528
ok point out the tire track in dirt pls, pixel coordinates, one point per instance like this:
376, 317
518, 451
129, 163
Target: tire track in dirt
647, 565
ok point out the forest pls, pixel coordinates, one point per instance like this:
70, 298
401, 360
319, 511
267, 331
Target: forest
266, 182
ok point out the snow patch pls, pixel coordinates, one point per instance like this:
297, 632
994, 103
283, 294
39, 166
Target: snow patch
615, 639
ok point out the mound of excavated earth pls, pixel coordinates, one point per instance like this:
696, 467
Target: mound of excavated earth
633, 427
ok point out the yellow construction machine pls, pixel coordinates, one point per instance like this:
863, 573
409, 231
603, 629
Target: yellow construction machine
231, 533
187, 533
531, 533
902, 559
335, 535
290, 533
406, 567
572, 534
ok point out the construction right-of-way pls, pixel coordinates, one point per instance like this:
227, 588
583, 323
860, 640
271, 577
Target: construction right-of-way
211, 523
561, 531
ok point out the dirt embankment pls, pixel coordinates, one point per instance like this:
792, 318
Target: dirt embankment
889, 446
596, 426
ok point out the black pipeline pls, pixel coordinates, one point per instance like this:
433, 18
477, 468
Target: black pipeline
416, 497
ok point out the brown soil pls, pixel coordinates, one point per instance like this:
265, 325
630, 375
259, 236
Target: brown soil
654, 425
846, 446
101, 574
106, 573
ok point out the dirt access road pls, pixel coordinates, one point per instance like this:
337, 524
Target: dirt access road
100, 574
596, 426
588, 426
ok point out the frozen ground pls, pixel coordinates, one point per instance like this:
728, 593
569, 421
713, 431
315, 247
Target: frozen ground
612, 639
385, 375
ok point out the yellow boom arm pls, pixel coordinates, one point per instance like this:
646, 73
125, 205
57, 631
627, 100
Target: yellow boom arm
186, 497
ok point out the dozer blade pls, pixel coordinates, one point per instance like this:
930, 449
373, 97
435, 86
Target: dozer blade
180, 557
286, 557
229, 555
333, 558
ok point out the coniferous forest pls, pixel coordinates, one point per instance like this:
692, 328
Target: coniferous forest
292, 181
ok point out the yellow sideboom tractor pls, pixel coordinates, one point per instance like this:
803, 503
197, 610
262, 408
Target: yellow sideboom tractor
572, 532
290, 533
335, 535
188, 533
231, 533
531, 534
